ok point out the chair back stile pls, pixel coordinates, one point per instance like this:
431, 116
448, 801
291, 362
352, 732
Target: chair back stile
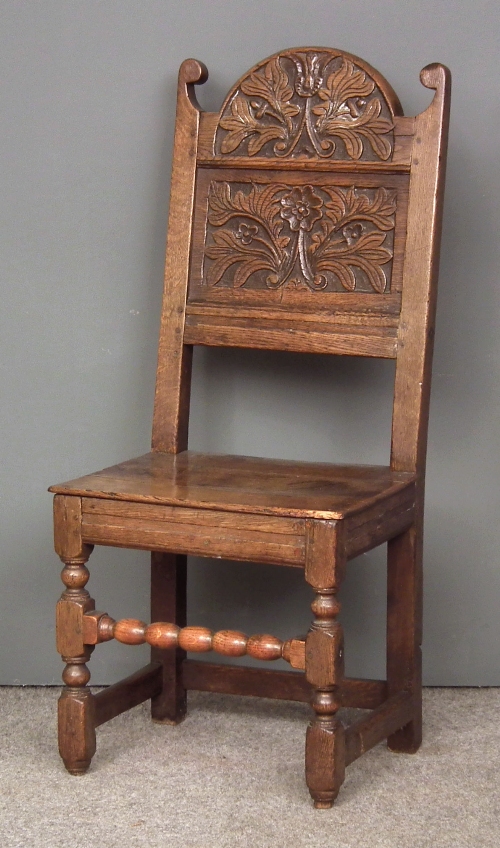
173, 375
420, 273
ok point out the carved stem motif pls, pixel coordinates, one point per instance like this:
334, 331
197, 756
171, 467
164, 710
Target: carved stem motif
307, 103
333, 238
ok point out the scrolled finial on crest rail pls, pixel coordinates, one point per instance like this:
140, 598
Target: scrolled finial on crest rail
310, 102
193, 72
435, 76
438, 77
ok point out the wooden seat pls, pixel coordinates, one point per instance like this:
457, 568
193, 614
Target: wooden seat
304, 216
179, 502
245, 484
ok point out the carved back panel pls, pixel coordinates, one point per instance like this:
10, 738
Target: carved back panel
309, 103
300, 209
303, 253
291, 213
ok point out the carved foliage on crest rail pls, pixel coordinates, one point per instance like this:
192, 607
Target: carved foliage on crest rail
309, 237
307, 104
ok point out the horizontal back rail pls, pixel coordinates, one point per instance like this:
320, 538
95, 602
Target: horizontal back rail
222, 330
404, 128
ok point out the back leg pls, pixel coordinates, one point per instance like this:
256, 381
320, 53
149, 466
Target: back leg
404, 631
168, 603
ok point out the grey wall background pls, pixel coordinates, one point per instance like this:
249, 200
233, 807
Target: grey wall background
87, 108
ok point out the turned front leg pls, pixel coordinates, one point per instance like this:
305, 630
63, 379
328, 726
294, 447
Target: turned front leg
325, 744
76, 720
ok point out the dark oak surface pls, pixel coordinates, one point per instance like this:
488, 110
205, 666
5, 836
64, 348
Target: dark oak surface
304, 216
242, 484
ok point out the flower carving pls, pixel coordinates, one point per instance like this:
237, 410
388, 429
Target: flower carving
315, 103
312, 237
300, 207
352, 232
246, 232
309, 77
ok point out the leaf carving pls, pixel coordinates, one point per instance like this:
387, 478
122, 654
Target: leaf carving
313, 230
344, 207
365, 253
274, 86
320, 98
345, 83
228, 251
242, 123
352, 127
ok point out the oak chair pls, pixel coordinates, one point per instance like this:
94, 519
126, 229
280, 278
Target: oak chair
304, 216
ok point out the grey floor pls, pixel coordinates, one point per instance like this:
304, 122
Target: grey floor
232, 775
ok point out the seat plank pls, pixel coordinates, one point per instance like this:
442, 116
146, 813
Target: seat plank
245, 484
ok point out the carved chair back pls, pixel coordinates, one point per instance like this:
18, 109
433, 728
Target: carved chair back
305, 216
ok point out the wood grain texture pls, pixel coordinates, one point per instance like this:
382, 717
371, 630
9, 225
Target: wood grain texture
127, 693
68, 529
70, 612
412, 394
281, 685
421, 265
241, 680
76, 725
293, 105
167, 635
325, 570
381, 723
173, 377
371, 526
363, 694
239, 544
294, 652
338, 311
297, 338
243, 484
168, 603
97, 627
325, 553
325, 761
312, 239
401, 158
304, 216
76, 729
404, 630
336, 307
